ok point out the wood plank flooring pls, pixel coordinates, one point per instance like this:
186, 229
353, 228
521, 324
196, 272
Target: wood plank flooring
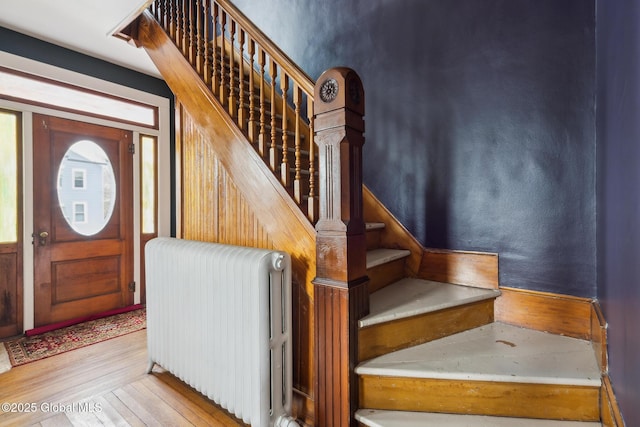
103, 384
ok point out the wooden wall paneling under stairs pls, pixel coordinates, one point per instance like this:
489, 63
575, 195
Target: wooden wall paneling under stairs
217, 149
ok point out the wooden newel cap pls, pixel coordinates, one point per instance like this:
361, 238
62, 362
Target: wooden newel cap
338, 88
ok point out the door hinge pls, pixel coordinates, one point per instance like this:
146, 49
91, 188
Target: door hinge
132, 287
132, 148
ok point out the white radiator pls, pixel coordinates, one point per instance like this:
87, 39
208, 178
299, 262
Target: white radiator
219, 318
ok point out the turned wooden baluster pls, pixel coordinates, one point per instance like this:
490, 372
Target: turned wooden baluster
285, 175
188, 32
164, 14
242, 111
199, 11
171, 19
167, 14
223, 78
252, 105
233, 108
215, 66
206, 13
192, 43
178, 7
177, 23
154, 8
312, 201
262, 138
341, 296
274, 162
184, 29
297, 178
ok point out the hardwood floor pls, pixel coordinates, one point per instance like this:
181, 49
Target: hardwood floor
103, 384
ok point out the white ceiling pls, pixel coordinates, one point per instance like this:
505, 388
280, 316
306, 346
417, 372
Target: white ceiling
85, 26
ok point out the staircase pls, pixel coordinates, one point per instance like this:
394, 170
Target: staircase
428, 353
431, 354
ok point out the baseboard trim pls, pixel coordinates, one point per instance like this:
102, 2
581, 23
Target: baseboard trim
476, 269
555, 313
609, 409
75, 321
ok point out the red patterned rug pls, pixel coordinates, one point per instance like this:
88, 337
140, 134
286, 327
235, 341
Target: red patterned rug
29, 349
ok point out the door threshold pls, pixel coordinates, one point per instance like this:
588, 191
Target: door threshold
65, 323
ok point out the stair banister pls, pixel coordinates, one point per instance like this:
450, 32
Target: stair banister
341, 295
214, 35
332, 112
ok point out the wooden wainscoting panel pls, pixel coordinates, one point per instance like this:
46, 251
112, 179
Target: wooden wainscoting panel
550, 401
11, 302
542, 311
215, 210
337, 312
475, 269
386, 337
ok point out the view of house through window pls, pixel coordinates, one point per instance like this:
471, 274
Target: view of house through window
148, 178
8, 177
86, 187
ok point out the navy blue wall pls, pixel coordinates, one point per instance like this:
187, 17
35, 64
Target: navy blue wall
619, 195
32, 48
482, 112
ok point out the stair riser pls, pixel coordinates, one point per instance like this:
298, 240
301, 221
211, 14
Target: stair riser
545, 401
373, 239
386, 337
385, 274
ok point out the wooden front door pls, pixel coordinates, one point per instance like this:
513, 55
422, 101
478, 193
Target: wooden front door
83, 219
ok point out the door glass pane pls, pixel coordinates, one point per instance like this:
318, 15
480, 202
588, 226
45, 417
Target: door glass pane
148, 172
8, 177
86, 187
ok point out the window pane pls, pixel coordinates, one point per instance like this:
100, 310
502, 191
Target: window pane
8, 177
78, 179
71, 98
78, 213
148, 172
89, 190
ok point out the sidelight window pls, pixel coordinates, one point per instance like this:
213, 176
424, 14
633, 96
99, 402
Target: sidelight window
9, 143
148, 180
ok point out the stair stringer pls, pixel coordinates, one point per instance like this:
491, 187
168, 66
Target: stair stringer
289, 230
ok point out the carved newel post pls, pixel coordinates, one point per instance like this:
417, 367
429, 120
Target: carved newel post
340, 288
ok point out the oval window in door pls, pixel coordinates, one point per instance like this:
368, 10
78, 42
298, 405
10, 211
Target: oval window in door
86, 187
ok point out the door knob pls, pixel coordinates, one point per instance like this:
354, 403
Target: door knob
42, 238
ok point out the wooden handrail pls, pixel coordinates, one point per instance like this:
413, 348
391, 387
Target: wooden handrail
292, 69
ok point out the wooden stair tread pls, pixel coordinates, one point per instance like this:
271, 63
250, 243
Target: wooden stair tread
496, 352
410, 297
378, 257
378, 418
